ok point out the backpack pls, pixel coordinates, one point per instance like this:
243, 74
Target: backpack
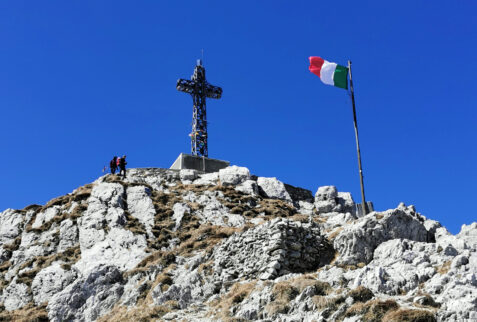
118, 160
112, 164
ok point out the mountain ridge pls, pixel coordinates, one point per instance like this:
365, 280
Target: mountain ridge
165, 244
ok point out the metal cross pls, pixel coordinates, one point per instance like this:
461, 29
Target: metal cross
200, 90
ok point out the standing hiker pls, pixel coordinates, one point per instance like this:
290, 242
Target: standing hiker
122, 166
113, 164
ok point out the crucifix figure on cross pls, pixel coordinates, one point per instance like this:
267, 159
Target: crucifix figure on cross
198, 87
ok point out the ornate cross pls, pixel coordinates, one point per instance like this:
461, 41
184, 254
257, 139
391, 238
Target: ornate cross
200, 90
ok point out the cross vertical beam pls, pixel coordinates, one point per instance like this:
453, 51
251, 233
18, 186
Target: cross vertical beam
199, 89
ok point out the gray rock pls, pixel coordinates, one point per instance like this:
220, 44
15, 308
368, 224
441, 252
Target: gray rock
326, 193
207, 179
357, 242
248, 187
179, 210
15, 296
233, 175
10, 225
141, 207
88, 298
50, 281
45, 216
68, 235
273, 188
188, 175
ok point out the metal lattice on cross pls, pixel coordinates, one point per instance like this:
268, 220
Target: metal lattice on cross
199, 89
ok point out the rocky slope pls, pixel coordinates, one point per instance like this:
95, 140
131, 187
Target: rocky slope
178, 245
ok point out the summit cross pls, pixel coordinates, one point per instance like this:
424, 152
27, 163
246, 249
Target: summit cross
199, 89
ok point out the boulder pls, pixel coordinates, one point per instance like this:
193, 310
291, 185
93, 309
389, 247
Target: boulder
357, 242
88, 298
10, 225
233, 175
273, 188
50, 281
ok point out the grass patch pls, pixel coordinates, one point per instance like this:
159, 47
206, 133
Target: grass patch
28, 313
285, 291
361, 294
327, 302
410, 315
372, 311
141, 313
237, 293
70, 256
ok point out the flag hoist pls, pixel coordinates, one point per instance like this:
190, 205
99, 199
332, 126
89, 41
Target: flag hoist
337, 75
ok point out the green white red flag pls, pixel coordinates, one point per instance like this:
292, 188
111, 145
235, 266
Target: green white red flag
329, 73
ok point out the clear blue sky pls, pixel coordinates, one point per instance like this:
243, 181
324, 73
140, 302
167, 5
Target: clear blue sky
81, 81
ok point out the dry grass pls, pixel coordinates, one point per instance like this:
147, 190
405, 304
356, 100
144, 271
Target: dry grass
75, 213
14, 245
329, 302
133, 224
301, 218
444, 268
409, 315
285, 291
361, 294
335, 233
28, 313
69, 256
33, 207
372, 311
138, 313
237, 293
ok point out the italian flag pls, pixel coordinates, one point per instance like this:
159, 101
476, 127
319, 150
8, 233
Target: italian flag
329, 73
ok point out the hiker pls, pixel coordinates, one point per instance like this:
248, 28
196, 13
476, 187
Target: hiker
122, 166
113, 164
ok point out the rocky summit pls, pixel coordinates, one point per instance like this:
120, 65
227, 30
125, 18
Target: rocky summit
225, 246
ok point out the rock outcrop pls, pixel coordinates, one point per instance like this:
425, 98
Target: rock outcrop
183, 245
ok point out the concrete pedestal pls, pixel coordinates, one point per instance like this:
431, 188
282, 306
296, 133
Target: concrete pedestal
202, 164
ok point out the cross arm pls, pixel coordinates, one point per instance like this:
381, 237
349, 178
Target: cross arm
213, 91
185, 85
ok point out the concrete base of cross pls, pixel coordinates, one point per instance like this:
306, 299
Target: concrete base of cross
199, 163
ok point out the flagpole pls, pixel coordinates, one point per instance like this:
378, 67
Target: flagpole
363, 203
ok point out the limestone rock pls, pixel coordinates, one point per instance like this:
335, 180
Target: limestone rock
233, 175
357, 242
15, 296
328, 199
188, 175
68, 235
10, 225
140, 206
273, 188
88, 298
248, 187
219, 248
207, 178
50, 281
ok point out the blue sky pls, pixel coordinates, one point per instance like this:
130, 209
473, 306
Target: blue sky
81, 81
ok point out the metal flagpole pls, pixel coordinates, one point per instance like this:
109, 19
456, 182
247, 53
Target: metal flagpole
363, 204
